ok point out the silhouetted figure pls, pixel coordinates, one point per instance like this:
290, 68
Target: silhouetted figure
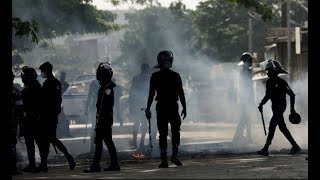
246, 98
31, 97
276, 90
193, 102
64, 83
63, 129
49, 118
167, 85
117, 105
91, 109
104, 120
17, 114
137, 100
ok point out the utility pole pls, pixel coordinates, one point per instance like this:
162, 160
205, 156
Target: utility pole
289, 38
250, 36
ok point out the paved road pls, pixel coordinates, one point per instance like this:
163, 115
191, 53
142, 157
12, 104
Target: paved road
238, 166
207, 151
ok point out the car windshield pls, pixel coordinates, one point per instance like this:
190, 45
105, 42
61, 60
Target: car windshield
81, 84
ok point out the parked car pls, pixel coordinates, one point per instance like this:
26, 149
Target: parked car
75, 97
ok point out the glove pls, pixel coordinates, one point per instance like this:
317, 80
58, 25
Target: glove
260, 107
148, 113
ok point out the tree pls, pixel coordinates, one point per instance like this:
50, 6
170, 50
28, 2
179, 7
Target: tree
260, 7
223, 29
16, 61
57, 17
153, 29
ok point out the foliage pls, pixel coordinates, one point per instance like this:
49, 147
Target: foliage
58, 17
261, 7
16, 60
153, 29
223, 30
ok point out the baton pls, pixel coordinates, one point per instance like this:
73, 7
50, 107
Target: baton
264, 127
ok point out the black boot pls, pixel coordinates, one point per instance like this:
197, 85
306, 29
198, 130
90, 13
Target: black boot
295, 149
113, 167
29, 168
174, 157
164, 161
264, 151
163, 164
72, 163
41, 168
93, 168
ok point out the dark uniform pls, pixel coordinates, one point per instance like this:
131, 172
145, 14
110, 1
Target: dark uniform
276, 90
104, 117
32, 101
49, 118
167, 85
137, 100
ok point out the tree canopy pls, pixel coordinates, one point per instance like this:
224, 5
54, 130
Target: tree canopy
156, 28
53, 18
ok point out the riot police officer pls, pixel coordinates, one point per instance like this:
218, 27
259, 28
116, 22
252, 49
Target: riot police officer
167, 84
31, 97
137, 100
276, 90
49, 118
246, 98
104, 120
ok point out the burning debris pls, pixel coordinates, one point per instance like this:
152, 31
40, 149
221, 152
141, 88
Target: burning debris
138, 155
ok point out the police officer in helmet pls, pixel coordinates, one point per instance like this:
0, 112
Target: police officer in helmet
167, 86
276, 90
104, 120
246, 98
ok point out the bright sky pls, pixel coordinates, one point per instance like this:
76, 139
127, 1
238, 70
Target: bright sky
106, 5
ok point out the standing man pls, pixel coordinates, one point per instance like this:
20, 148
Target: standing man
63, 81
276, 90
137, 100
49, 118
63, 129
104, 120
168, 86
246, 98
31, 97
